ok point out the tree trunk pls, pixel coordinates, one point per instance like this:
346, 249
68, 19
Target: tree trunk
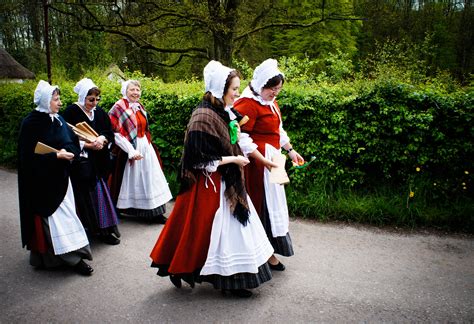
223, 15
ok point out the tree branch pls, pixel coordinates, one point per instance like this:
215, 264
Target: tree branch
181, 56
294, 25
139, 43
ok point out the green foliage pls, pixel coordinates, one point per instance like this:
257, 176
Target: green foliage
243, 67
387, 151
298, 70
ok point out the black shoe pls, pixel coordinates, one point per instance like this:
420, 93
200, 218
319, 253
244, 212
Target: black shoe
176, 281
241, 293
83, 268
277, 267
109, 239
160, 219
189, 279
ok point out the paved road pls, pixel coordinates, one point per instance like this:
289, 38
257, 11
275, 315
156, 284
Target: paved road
339, 274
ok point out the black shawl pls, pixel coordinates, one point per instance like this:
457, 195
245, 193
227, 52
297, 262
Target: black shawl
42, 178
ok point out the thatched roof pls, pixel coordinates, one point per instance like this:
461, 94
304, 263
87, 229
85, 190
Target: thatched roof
11, 69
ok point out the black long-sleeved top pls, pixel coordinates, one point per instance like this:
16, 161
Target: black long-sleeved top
101, 124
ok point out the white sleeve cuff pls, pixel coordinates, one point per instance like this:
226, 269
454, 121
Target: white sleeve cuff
246, 144
209, 167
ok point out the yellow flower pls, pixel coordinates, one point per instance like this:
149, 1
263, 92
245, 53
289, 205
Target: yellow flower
412, 194
434, 183
417, 169
464, 188
466, 172
463, 183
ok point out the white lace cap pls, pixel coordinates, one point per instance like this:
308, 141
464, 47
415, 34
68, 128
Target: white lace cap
215, 75
264, 72
82, 88
43, 94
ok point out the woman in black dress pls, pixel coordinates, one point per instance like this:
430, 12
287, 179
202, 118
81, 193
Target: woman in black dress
90, 172
50, 228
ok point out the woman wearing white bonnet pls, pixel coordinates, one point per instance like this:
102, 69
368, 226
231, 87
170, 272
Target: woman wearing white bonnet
50, 228
265, 128
90, 172
213, 233
136, 194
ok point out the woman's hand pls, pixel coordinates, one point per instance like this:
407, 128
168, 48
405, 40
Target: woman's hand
98, 144
296, 157
135, 155
269, 164
241, 160
65, 155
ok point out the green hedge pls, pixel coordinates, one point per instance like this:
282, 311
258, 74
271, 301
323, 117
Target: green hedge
371, 138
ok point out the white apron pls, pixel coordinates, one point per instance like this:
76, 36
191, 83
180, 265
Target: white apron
275, 198
67, 232
144, 185
235, 248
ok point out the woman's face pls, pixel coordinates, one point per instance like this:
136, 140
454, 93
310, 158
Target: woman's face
133, 92
55, 103
269, 94
232, 92
91, 101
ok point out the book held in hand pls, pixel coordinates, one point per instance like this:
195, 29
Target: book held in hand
84, 132
279, 175
41, 148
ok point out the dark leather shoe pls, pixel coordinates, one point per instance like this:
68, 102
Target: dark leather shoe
277, 267
160, 219
176, 281
241, 293
83, 268
109, 239
189, 279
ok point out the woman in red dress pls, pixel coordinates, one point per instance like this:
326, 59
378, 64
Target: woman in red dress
265, 130
213, 233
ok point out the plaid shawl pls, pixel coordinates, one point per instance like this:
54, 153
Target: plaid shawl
207, 139
125, 123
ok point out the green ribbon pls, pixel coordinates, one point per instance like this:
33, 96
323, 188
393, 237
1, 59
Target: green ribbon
233, 131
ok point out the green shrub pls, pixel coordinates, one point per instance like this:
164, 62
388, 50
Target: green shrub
369, 137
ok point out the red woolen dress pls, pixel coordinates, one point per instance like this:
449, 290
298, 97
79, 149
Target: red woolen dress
264, 128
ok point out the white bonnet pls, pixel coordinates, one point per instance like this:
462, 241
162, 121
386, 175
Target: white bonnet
43, 94
264, 72
82, 88
215, 76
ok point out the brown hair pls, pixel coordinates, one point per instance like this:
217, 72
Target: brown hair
93, 92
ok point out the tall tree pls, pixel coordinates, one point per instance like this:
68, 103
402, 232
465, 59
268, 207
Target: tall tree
197, 30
